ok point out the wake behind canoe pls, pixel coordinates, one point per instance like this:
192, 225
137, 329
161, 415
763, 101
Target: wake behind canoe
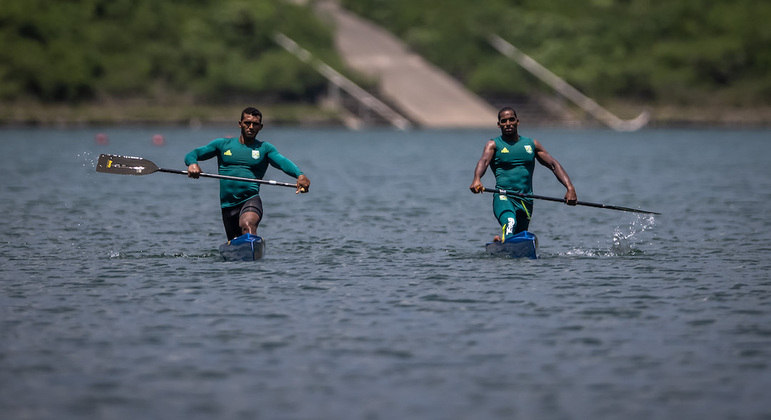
246, 247
521, 245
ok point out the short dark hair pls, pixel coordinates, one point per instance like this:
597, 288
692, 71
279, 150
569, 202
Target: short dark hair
507, 108
250, 110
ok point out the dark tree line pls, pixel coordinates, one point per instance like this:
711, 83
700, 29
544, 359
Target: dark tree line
685, 51
199, 49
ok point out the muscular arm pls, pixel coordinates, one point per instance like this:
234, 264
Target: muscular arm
202, 153
279, 161
547, 160
487, 156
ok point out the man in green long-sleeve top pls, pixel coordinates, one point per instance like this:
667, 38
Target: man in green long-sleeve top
245, 157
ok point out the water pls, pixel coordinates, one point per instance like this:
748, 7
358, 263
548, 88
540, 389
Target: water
375, 299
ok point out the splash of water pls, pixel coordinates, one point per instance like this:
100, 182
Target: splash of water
625, 240
87, 159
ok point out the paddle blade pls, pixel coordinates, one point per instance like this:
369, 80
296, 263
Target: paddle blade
125, 165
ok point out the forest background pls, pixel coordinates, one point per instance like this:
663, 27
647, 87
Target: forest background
179, 61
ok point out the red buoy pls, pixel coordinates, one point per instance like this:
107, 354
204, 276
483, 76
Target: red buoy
101, 138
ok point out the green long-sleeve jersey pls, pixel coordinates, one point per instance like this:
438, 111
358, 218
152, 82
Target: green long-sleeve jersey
237, 159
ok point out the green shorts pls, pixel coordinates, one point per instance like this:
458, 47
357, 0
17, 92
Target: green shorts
512, 213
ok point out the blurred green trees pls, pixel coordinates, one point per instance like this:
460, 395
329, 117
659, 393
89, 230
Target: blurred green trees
684, 51
680, 52
211, 50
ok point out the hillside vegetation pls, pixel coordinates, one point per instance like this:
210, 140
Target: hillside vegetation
656, 51
171, 50
192, 52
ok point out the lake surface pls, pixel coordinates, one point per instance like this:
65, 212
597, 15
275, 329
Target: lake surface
375, 299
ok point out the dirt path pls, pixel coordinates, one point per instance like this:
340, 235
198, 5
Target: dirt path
422, 92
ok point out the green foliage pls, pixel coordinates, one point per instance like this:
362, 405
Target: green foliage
685, 51
206, 49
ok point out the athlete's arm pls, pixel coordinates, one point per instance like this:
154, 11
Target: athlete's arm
277, 160
487, 157
547, 160
202, 153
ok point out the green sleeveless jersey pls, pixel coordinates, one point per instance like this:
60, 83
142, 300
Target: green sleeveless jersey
236, 159
513, 164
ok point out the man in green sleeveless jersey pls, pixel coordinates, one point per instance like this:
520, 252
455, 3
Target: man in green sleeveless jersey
512, 159
245, 157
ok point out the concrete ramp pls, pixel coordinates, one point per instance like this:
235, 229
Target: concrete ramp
422, 92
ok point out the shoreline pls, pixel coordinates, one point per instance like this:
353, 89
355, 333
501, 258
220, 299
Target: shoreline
94, 114
29, 114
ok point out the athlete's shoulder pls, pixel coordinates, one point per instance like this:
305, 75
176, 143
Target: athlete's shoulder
224, 141
267, 146
529, 140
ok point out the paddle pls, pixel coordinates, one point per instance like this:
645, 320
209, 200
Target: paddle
560, 200
128, 165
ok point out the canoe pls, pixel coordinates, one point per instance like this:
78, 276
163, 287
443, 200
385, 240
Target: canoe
246, 247
522, 245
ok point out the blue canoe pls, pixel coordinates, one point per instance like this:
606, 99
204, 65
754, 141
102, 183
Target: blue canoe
246, 247
522, 245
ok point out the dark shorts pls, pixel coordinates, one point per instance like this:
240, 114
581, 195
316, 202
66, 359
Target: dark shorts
231, 215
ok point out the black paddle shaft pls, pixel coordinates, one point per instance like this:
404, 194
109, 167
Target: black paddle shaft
560, 200
130, 165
